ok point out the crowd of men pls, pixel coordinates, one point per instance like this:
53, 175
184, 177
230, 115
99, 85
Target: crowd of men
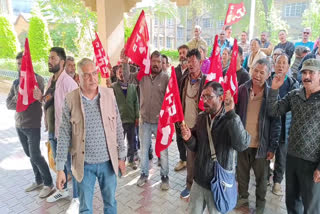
277, 117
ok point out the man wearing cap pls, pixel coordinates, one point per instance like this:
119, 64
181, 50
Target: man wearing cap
303, 159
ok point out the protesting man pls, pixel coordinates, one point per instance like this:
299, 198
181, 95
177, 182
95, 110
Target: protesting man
228, 136
303, 160
128, 104
264, 132
59, 85
152, 90
197, 40
305, 39
71, 69
287, 46
282, 68
28, 125
91, 128
266, 46
181, 71
190, 91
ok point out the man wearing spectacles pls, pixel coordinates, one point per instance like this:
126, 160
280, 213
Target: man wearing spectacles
305, 39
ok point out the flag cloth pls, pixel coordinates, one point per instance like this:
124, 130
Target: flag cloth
171, 112
215, 70
27, 81
235, 13
101, 59
137, 47
231, 82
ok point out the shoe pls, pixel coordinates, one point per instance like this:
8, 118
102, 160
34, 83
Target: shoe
185, 193
180, 165
133, 165
150, 156
142, 180
59, 194
159, 162
277, 190
74, 206
46, 191
242, 202
33, 186
164, 183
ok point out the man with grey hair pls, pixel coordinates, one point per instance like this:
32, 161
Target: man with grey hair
91, 129
264, 132
300, 52
305, 39
303, 159
197, 40
70, 69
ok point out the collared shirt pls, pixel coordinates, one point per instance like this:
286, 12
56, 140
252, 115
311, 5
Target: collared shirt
246, 48
196, 43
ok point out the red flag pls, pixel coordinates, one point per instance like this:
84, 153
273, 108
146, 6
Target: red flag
171, 112
215, 71
235, 13
231, 82
101, 58
137, 47
27, 81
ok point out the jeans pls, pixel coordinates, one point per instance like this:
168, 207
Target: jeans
200, 198
107, 182
75, 193
280, 163
302, 193
53, 143
129, 129
30, 141
146, 130
247, 160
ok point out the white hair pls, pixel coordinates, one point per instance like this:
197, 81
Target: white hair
83, 62
197, 27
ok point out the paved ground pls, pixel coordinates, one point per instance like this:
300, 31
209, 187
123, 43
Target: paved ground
16, 174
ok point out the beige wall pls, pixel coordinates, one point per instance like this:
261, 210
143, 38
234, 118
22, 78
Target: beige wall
21, 25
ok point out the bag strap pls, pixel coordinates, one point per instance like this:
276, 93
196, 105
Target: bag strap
213, 151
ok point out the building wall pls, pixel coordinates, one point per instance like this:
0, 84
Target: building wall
291, 12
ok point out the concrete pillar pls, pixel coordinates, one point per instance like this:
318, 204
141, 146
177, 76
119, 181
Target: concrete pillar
111, 26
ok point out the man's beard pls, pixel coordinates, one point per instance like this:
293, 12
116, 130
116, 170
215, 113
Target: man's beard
54, 69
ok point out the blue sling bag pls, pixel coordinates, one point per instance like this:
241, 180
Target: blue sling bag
223, 184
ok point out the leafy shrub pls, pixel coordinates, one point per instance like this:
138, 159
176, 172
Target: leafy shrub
8, 39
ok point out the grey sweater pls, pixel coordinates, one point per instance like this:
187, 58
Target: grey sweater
304, 135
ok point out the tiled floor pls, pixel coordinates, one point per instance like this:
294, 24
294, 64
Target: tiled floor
16, 174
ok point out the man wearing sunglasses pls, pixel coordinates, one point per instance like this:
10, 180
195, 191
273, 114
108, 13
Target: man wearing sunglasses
305, 39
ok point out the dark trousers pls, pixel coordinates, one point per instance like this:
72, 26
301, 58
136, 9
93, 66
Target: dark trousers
302, 194
30, 141
181, 146
280, 163
129, 131
190, 165
247, 160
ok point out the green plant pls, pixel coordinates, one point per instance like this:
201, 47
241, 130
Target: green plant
40, 67
172, 54
311, 18
39, 39
8, 39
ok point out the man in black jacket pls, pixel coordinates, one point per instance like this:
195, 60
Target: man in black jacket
264, 132
28, 125
181, 71
228, 136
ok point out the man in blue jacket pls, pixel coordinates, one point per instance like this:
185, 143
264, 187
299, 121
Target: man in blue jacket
264, 131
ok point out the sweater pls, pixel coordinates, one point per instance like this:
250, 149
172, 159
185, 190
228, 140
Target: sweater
128, 104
